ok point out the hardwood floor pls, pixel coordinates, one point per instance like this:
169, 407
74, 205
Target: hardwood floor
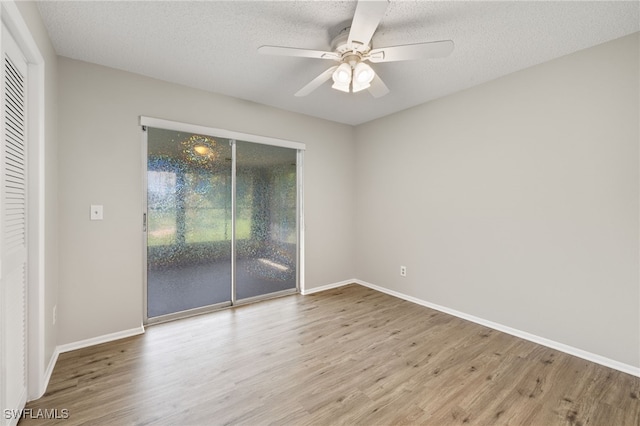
345, 356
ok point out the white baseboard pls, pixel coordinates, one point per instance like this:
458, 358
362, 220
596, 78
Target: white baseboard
307, 291
598, 359
11, 414
100, 339
83, 344
49, 371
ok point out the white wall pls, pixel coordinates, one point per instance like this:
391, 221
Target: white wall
101, 163
31, 16
516, 201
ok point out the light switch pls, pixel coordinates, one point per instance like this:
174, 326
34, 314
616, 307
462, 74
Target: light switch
96, 212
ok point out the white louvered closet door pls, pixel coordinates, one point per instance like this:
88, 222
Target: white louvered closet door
13, 224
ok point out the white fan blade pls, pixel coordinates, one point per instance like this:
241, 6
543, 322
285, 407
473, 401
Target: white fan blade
368, 15
406, 52
316, 82
378, 89
301, 53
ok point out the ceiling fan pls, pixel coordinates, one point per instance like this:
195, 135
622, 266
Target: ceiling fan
352, 50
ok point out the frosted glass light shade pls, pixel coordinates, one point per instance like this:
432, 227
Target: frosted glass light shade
343, 87
363, 74
342, 75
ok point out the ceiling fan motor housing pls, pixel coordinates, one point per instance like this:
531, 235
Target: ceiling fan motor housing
340, 44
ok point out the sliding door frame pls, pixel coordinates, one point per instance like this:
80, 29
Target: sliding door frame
234, 187
232, 136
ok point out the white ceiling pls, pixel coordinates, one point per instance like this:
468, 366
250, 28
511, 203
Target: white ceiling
212, 45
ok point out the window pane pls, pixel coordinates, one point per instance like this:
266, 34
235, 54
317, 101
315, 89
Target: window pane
207, 208
162, 208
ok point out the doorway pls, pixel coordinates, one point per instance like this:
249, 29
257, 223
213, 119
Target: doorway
222, 220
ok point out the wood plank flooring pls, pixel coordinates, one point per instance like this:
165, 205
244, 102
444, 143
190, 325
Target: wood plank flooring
349, 356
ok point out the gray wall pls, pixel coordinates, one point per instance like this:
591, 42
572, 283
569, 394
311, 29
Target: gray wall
32, 18
516, 201
101, 163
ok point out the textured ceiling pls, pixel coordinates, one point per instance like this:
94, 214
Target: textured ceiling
212, 45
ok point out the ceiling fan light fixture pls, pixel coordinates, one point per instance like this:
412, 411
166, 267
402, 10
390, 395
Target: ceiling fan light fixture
352, 45
343, 87
357, 87
363, 74
342, 75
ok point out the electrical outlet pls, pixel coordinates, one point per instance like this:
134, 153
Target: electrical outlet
403, 271
55, 314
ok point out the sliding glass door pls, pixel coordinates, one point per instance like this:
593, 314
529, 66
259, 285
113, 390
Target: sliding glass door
221, 222
266, 234
188, 222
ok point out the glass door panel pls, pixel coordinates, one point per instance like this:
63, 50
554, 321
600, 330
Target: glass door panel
188, 222
266, 224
